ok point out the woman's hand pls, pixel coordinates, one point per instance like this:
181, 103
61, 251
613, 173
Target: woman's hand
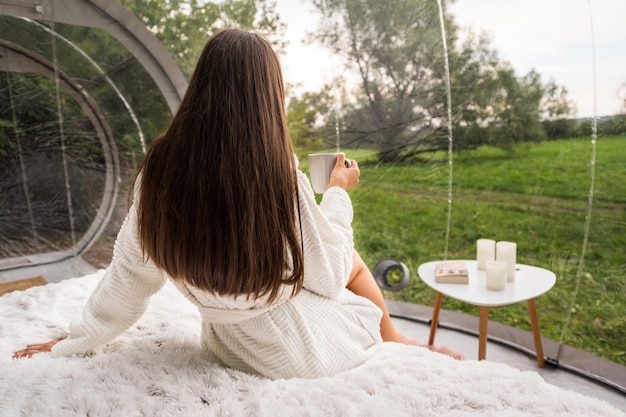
30, 350
345, 174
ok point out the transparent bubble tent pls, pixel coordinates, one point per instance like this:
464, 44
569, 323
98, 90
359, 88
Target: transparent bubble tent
85, 87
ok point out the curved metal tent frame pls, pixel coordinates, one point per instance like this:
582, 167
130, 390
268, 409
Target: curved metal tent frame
119, 22
112, 17
14, 58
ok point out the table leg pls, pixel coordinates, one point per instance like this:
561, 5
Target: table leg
534, 322
435, 319
482, 332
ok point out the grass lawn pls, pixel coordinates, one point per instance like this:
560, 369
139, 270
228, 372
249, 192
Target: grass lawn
537, 197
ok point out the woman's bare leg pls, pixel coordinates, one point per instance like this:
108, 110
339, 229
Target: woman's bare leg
362, 282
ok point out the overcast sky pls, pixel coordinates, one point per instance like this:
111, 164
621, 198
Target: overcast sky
552, 36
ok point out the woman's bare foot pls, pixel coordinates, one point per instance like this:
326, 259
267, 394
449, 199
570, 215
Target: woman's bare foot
402, 338
447, 351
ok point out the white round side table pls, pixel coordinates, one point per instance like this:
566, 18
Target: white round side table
530, 282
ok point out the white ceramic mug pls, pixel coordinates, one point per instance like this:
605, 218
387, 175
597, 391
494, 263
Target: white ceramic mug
320, 167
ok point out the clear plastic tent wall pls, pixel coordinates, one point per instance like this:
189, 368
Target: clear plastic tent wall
78, 109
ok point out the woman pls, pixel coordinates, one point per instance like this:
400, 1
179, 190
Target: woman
221, 208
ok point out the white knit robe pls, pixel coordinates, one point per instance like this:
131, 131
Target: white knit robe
323, 330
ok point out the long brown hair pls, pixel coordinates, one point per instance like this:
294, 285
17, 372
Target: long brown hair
218, 189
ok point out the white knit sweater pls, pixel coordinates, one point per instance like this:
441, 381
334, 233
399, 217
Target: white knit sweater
323, 330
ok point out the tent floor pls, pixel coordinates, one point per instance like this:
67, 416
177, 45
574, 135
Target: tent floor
467, 344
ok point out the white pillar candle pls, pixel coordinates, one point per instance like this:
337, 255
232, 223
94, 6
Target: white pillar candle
485, 251
506, 252
496, 275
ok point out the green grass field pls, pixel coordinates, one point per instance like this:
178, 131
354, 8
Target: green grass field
537, 197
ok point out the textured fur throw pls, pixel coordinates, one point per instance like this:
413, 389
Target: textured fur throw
157, 369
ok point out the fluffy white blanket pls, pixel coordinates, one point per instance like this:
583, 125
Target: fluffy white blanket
157, 369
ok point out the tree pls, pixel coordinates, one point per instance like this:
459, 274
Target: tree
396, 50
392, 49
617, 123
183, 26
517, 115
490, 103
558, 111
304, 115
